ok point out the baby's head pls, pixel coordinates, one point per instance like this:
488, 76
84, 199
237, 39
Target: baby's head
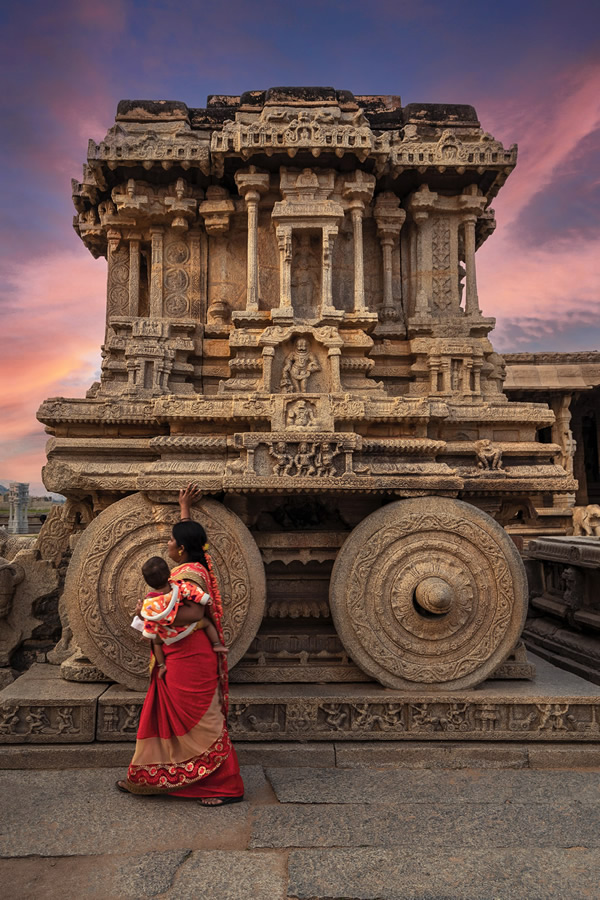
156, 572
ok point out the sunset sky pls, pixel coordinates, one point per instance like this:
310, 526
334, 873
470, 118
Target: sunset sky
531, 69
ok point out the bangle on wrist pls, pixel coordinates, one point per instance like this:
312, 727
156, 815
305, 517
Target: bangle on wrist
162, 665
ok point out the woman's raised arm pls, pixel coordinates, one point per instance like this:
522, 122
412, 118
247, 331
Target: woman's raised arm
186, 499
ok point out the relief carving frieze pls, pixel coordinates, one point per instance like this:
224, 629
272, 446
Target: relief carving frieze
369, 717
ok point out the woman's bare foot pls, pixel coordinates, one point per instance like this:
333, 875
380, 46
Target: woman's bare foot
122, 786
220, 801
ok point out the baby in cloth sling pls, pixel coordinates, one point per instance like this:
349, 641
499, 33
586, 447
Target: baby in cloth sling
159, 608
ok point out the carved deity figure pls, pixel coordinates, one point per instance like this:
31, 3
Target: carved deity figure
37, 721
488, 456
132, 717
300, 414
283, 460
64, 720
327, 454
9, 719
335, 715
552, 716
304, 459
299, 365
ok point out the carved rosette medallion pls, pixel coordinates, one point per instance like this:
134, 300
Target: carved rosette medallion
104, 581
429, 592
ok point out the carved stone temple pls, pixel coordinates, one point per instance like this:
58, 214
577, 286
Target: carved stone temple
293, 323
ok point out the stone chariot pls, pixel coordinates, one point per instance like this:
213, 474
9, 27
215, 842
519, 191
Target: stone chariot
293, 324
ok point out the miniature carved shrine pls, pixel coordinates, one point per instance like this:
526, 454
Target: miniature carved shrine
293, 323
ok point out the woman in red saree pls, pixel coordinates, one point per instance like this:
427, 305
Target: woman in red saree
183, 746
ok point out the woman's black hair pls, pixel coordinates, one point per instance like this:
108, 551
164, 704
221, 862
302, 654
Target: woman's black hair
192, 537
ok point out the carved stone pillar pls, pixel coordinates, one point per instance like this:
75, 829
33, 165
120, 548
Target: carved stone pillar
434, 368
446, 376
359, 272
561, 431
421, 203
334, 355
134, 275
268, 356
116, 275
329, 235
423, 270
197, 277
471, 296
251, 184
389, 220
18, 500
477, 366
359, 192
156, 273
284, 242
472, 205
467, 368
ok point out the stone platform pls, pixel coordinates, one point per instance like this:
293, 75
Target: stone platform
41, 708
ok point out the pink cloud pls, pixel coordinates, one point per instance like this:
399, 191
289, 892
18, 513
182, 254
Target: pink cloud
52, 332
541, 286
548, 284
548, 122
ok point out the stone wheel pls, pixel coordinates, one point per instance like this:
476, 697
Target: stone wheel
104, 581
429, 593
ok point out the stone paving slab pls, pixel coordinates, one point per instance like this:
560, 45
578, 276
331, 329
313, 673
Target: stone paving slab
173, 875
392, 833
435, 825
322, 754
573, 756
287, 753
84, 814
490, 874
231, 876
66, 756
421, 786
429, 755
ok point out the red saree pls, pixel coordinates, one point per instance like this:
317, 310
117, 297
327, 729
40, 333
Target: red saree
183, 746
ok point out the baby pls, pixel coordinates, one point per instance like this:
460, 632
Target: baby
159, 608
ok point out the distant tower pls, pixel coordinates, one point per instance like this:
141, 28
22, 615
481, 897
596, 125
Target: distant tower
18, 498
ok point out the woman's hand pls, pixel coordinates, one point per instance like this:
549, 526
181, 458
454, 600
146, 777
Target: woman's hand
186, 499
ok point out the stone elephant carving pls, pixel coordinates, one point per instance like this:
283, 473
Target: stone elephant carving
586, 520
11, 575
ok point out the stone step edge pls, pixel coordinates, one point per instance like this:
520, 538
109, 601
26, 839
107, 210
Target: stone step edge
328, 754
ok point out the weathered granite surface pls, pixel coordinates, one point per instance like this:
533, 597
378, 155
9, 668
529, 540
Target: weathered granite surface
506, 834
